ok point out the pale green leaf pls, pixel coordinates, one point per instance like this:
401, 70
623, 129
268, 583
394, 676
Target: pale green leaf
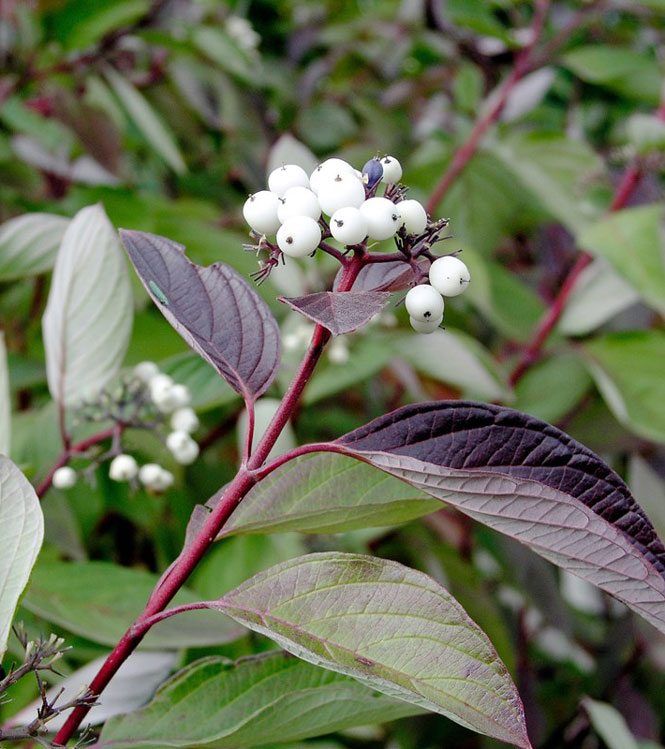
628, 369
5, 401
289, 150
271, 697
151, 125
22, 525
649, 489
609, 724
100, 600
88, 316
29, 244
327, 493
390, 627
633, 242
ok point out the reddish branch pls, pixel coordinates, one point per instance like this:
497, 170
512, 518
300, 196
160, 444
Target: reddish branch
467, 151
551, 317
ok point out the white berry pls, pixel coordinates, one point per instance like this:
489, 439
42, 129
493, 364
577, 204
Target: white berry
180, 396
337, 166
161, 393
426, 327
338, 353
184, 420
64, 478
414, 217
145, 371
183, 448
383, 217
340, 190
299, 201
154, 477
284, 177
424, 303
449, 275
348, 225
123, 468
392, 169
299, 236
260, 212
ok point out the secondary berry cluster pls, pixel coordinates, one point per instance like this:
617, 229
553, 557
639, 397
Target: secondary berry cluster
146, 399
336, 200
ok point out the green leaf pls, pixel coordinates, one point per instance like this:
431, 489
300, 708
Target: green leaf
327, 493
632, 74
50, 133
219, 47
5, 401
271, 697
390, 627
609, 724
88, 316
324, 125
599, 293
649, 489
628, 370
552, 388
456, 358
632, 241
29, 244
554, 169
22, 526
100, 600
208, 389
154, 129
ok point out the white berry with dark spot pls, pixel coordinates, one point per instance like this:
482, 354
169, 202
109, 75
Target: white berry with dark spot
330, 166
383, 218
392, 169
341, 190
414, 216
298, 201
260, 212
299, 236
284, 177
449, 275
425, 327
348, 225
424, 303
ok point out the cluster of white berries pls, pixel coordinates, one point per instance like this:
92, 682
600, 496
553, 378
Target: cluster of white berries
448, 276
170, 399
292, 206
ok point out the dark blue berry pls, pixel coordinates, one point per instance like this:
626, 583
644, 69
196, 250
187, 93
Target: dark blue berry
372, 173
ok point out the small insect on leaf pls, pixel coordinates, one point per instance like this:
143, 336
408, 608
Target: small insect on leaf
158, 293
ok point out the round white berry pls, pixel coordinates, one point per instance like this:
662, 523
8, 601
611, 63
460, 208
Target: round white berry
161, 393
383, 217
260, 212
64, 478
286, 176
183, 448
348, 225
154, 477
425, 327
145, 371
392, 169
338, 353
414, 217
424, 303
449, 275
184, 420
299, 201
180, 396
299, 236
337, 166
123, 468
340, 190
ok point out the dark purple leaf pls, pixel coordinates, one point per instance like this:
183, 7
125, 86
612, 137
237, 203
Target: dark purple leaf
339, 311
530, 481
395, 275
214, 309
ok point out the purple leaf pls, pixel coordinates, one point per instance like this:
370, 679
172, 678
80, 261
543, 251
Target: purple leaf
339, 311
396, 275
214, 309
530, 481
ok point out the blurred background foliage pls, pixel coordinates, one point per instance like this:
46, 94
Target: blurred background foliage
170, 112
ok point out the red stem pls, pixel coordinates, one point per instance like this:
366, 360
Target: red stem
468, 150
190, 556
551, 317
